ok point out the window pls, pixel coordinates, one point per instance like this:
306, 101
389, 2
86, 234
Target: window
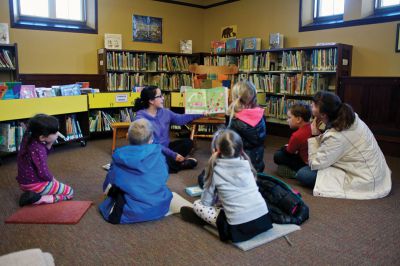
328, 14
59, 15
328, 10
387, 6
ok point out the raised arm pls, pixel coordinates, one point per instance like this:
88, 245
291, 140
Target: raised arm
325, 150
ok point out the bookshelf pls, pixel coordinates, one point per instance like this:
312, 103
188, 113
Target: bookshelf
8, 62
288, 75
110, 107
125, 69
71, 111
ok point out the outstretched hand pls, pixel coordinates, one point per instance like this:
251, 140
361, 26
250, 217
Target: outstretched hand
179, 158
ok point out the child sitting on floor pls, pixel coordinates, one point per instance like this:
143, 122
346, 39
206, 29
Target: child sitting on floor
136, 184
230, 177
34, 177
294, 155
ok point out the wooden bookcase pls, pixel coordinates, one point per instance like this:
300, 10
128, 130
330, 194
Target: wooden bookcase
285, 76
8, 71
104, 107
125, 69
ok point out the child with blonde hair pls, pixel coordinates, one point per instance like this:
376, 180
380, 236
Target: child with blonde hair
136, 184
247, 119
230, 181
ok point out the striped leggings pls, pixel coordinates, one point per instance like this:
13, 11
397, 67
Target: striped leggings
51, 192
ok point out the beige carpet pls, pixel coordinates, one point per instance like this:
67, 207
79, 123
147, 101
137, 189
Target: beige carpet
338, 232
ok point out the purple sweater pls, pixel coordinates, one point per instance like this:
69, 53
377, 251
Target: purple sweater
161, 123
32, 163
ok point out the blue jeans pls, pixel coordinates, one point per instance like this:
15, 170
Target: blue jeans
306, 176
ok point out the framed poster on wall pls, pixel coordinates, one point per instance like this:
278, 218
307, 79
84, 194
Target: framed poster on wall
147, 29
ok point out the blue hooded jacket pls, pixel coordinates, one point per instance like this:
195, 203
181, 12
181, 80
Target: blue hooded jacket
141, 172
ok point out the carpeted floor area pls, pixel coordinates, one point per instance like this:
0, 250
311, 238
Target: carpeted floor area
338, 232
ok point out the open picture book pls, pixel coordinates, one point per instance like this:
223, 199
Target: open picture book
213, 101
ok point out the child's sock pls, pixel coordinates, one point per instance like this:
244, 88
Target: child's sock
45, 199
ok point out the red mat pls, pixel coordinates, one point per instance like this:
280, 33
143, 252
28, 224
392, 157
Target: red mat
65, 212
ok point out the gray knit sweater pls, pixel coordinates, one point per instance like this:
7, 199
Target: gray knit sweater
237, 190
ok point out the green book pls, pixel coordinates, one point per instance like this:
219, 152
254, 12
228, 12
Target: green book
212, 101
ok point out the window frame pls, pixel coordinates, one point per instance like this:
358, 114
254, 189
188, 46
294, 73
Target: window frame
52, 24
379, 10
325, 19
321, 25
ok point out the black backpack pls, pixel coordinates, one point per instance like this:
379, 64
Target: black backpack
284, 204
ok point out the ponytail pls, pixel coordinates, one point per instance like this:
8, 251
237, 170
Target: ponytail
148, 93
340, 115
345, 117
210, 169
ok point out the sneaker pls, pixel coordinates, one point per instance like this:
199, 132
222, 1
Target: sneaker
286, 172
188, 215
189, 163
28, 197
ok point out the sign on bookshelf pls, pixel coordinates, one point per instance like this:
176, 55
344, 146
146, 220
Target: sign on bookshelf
112, 41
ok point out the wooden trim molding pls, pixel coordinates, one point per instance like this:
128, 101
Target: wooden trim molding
195, 5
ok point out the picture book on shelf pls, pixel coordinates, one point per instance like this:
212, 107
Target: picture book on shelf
27, 91
185, 46
276, 40
194, 191
218, 47
213, 101
251, 44
231, 45
4, 33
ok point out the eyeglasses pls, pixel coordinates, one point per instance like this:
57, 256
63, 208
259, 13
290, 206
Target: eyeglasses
159, 96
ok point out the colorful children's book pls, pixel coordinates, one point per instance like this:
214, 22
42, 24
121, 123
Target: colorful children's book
231, 45
218, 47
251, 44
27, 91
3, 89
213, 101
194, 191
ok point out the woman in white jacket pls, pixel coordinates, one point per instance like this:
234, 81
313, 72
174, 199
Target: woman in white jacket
345, 161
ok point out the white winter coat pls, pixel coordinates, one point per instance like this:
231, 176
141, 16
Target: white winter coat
350, 164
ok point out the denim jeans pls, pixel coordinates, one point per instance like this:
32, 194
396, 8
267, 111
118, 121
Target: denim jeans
306, 176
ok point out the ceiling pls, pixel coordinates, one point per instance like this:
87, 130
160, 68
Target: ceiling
198, 3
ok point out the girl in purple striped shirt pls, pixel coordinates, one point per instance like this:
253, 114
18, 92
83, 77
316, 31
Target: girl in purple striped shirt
34, 177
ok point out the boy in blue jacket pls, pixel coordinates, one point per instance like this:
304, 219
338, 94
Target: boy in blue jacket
136, 184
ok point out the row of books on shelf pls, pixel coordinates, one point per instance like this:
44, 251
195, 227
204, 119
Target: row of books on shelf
7, 60
277, 107
11, 133
298, 84
317, 60
11, 136
166, 82
72, 128
130, 61
15, 90
233, 45
100, 121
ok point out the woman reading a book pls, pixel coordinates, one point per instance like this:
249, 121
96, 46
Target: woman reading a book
150, 106
345, 161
